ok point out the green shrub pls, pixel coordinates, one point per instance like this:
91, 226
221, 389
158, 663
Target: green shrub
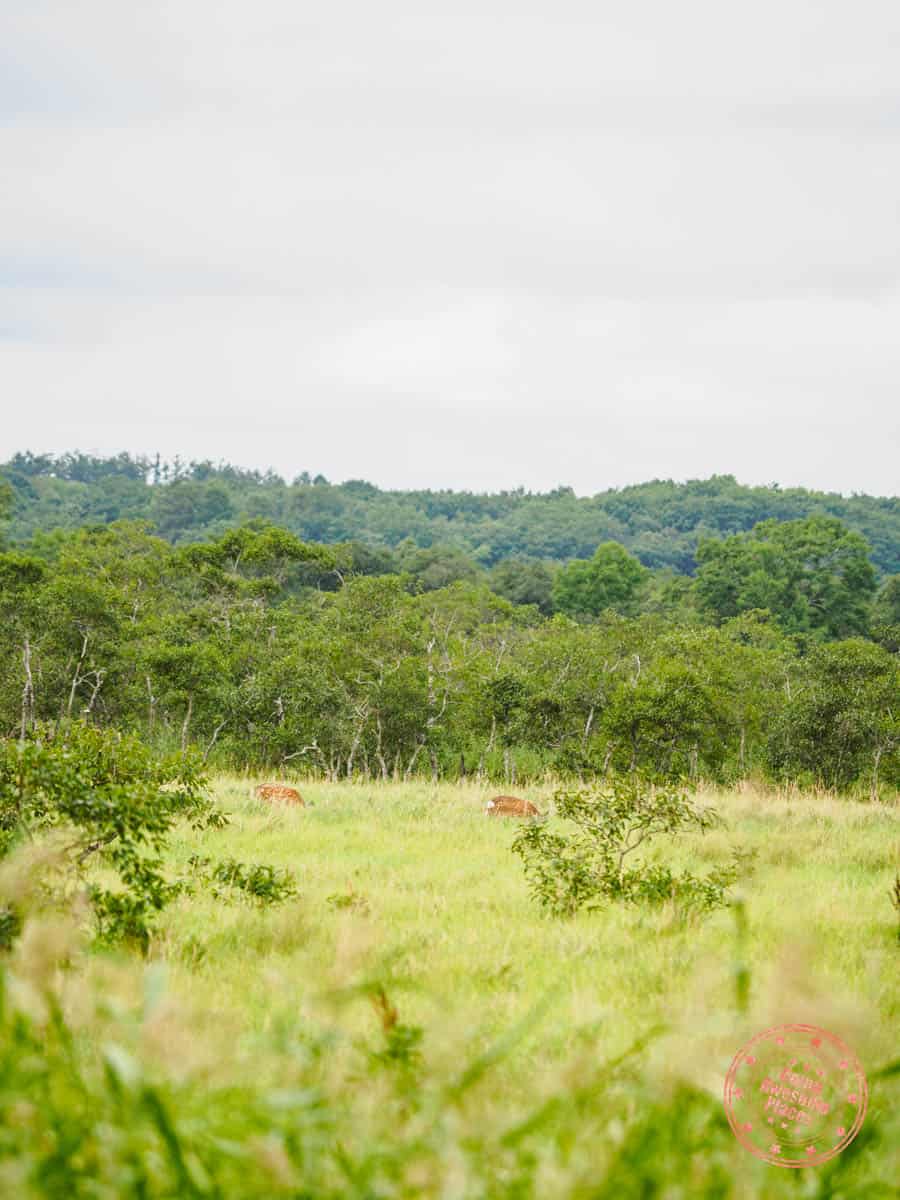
351, 898
119, 799
257, 881
583, 868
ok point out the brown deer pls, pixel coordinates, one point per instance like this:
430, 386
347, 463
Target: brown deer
511, 806
279, 793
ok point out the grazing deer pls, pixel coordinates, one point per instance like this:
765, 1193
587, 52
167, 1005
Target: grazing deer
511, 806
280, 793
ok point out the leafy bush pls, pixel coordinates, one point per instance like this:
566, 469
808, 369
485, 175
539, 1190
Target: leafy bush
569, 871
351, 898
258, 881
119, 799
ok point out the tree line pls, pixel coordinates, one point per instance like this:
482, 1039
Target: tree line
661, 523
265, 650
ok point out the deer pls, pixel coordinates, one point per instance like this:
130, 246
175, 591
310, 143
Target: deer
279, 793
511, 806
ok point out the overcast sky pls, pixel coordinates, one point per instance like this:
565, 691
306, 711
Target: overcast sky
476, 244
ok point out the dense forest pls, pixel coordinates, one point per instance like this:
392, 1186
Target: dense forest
660, 523
776, 656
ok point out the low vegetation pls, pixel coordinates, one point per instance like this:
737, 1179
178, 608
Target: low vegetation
409, 1023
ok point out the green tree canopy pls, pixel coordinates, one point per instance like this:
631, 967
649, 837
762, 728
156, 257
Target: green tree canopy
608, 580
844, 719
524, 582
886, 607
813, 575
660, 522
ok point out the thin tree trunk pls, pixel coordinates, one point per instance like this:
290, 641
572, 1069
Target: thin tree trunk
379, 755
76, 677
62, 702
407, 774
27, 690
151, 710
363, 714
607, 758
670, 755
430, 676
873, 792
587, 730
98, 683
212, 741
187, 723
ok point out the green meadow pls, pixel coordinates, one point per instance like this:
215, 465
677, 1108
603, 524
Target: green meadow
411, 1024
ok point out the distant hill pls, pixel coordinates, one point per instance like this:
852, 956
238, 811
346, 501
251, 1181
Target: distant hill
660, 521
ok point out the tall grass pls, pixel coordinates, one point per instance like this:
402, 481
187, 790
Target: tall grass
410, 1025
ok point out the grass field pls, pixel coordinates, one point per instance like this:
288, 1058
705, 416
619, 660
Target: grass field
509, 1054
